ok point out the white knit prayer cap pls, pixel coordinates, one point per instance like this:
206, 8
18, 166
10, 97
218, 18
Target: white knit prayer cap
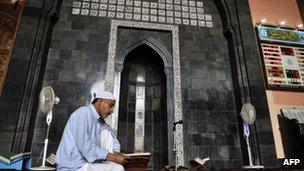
104, 95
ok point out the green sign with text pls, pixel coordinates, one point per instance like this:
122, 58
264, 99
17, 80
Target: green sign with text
281, 35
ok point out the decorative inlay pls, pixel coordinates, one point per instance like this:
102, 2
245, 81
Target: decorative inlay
113, 82
164, 9
8, 22
5, 46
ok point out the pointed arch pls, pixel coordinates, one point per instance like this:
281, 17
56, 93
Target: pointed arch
154, 44
172, 71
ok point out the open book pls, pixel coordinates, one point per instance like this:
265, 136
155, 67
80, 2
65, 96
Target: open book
51, 159
9, 157
137, 160
201, 161
137, 154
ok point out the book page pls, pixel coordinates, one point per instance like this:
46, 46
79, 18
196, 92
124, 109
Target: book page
137, 154
20, 155
12, 156
200, 161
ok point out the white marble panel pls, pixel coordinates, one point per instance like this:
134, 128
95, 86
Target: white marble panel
193, 15
177, 14
200, 16
137, 3
120, 8
162, 19
145, 10
164, 11
177, 7
129, 9
192, 9
93, 12
76, 11
77, 4
200, 10
209, 24
161, 6
137, 10
84, 11
145, 17
120, 15
199, 4
146, 4
153, 11
161, 12
176, 1
192, 3
102, 13
208, 17
185, 15
201, 23
170, 20
137, 17
169, 6
193, 22
128, 16
169, 13
177, 20
111, 14
112, 1
85, 5
153, 5
94, 5
153, 18
121, 2
103, 6
129, 2
186, 21
112, 7
185, 8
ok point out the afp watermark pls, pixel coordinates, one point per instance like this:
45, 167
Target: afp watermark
292, 162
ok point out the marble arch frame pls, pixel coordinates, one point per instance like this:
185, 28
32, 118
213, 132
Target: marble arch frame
113, 74
158, 47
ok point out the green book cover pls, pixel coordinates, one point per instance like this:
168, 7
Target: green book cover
9, 157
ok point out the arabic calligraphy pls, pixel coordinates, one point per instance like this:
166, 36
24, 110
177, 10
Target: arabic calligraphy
282, 35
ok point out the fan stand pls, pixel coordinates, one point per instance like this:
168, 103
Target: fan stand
251, 166
46, 141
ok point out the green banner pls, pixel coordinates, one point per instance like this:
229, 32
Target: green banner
281, 35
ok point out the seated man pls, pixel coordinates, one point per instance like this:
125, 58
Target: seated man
88, 143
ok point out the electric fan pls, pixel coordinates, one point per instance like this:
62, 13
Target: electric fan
248, 115
47, 100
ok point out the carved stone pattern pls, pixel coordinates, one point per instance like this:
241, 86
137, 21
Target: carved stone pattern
8, 23
4, 56
110, 73
5, 45
5, 39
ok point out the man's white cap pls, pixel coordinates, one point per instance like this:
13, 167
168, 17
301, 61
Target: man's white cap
104, 95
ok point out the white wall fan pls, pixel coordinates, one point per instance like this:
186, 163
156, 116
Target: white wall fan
47, 99
248, 115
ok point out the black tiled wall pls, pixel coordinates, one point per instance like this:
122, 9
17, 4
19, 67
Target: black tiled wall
210, 79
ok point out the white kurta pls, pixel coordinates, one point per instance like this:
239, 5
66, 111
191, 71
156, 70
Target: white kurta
106, 143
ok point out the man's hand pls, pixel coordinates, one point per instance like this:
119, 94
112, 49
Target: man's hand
116, 157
